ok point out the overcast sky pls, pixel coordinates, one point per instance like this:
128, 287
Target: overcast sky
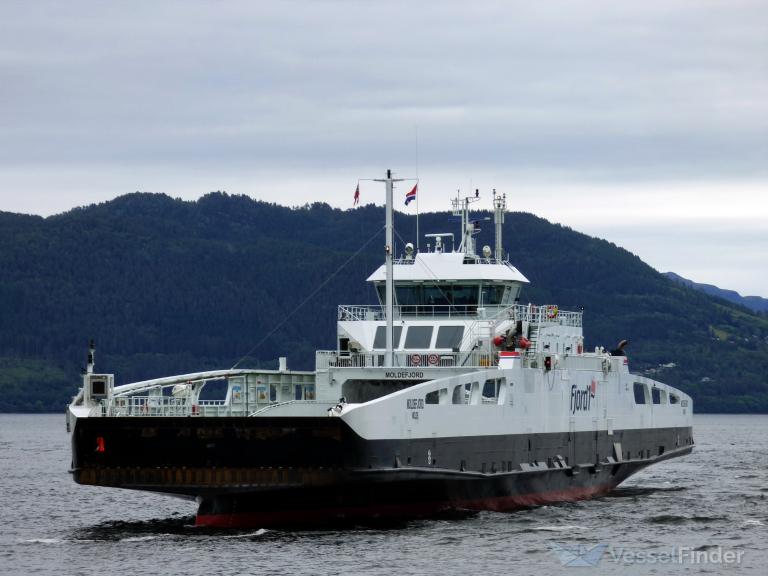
645, 123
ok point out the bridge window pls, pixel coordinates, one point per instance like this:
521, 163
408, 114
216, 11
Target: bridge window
464, 295
656, 395
493, 294
408, 295
380, 341
449, 336
641, 393
418, 337
432, 397
673, 399
434, 294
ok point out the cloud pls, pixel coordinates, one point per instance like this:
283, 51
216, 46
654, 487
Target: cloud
657, 86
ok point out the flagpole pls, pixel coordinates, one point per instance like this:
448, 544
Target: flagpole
417, 191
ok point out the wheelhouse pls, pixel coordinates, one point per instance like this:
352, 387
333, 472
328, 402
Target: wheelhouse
421, 296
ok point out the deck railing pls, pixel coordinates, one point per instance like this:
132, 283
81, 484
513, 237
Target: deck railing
163, 406
325, 359
547, 314
358, 313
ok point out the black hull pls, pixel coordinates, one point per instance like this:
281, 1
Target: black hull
256, 472
406, 494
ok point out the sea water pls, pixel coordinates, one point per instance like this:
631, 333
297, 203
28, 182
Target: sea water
702, 513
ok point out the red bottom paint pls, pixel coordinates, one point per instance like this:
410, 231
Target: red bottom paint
395, 511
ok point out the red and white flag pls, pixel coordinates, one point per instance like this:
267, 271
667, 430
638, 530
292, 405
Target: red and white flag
357, 194
411, 195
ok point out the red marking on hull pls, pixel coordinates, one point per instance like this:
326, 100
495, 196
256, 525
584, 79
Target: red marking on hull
395, 511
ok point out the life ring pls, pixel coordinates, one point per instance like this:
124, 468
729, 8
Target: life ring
552, 312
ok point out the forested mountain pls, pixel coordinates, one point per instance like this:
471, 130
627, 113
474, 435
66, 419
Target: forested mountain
166, 286
754, 303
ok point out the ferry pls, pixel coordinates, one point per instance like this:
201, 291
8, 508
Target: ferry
448, 395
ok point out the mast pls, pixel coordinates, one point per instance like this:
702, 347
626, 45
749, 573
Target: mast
461, 208
499, 208
389, 253
91, 357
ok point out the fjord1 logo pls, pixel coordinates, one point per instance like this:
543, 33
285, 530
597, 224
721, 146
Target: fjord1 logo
581, 399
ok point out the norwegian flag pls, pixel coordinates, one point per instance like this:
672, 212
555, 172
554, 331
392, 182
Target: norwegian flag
357, 195
411, 195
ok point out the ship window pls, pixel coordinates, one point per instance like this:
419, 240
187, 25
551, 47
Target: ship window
435, 296
442, 294
380, 341
408, 295
464, 295
449, 336
492, 295
673, 399
490, 390
432, 397
98, 388
459, 397
214, 389
641, 393
418, 337
656, 395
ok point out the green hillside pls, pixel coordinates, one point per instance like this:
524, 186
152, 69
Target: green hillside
167, 286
